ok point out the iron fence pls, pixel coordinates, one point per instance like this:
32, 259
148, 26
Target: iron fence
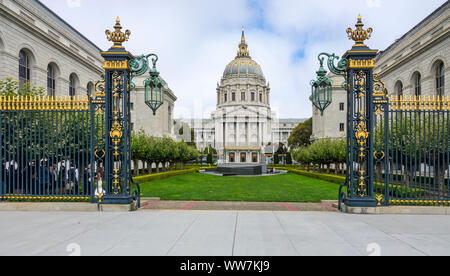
412, 151
46, 149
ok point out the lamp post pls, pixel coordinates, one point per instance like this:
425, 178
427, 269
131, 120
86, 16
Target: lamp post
154, 86
322, 87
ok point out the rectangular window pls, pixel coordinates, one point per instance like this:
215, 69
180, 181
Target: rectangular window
260, 97
243, 96
253, 96
342, 127
233, 97
342, 106
132, 106
232, 157
225, 98
254, 158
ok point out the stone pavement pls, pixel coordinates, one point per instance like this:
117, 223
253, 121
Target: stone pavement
222, 233
237, 206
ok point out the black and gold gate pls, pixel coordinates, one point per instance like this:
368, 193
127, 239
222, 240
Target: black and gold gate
398, 148
77, 148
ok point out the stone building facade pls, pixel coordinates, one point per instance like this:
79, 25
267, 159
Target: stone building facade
243, 123
39, 47
142, 118
47, 48
417, 64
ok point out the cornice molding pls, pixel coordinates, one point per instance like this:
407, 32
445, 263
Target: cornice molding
12, 16
411, 55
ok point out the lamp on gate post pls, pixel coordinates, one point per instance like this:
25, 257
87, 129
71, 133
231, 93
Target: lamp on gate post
153, 85
321, 90
322, 87
154, 89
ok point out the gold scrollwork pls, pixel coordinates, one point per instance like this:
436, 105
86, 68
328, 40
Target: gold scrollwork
379, 89
100, 154
116, 132
361, 133
379, 155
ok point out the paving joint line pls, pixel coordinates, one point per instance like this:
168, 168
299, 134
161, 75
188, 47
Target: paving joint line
182, 235
287, 235
235, 233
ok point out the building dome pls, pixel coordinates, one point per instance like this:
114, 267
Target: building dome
243, 65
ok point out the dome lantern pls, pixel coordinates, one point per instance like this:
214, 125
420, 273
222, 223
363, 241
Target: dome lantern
243, 65
243, 47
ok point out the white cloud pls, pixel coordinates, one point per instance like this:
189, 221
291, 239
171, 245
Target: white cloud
196, 39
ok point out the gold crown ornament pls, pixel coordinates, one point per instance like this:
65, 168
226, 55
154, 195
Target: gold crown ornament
359, 35
117, 36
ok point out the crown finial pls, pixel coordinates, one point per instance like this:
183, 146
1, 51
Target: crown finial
359, 35
117, 36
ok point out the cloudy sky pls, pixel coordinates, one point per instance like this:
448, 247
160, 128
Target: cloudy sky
196, 39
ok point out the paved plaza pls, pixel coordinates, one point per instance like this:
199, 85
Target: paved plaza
221, 233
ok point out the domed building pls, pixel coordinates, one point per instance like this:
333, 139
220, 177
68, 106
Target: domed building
243, 128
243, 119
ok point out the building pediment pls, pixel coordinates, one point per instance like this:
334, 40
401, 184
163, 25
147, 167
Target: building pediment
242, 111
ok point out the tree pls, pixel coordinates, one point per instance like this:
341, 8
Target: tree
138, 143
149, 152
289, 158
209, 152
301, 135
11, 88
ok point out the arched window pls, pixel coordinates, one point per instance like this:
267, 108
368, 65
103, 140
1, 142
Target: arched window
440, 79
225, 97
260, 97
24, 68
51, 83
418, 84
72, 85
90, 88
399, 88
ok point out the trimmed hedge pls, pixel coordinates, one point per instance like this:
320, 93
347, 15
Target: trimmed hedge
325, 177
394, 190
160, 176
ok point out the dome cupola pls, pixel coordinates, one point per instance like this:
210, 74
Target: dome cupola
243, 65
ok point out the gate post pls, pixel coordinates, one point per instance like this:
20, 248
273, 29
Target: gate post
360, 117
117, 120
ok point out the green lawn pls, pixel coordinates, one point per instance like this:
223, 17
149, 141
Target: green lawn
280, 188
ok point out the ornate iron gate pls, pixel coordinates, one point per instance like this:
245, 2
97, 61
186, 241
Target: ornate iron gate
45, 149
412, 151
398, 147
75, 149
